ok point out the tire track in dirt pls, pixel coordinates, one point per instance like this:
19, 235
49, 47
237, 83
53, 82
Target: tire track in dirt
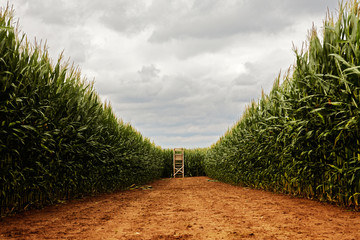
189, 208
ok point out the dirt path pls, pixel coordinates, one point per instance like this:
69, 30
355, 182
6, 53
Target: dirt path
190, 208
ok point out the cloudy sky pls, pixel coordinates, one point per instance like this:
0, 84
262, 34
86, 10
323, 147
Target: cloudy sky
180, 71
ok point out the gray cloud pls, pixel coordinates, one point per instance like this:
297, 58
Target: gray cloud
149, 72
181, 72
219, 19
125, 16
60, 12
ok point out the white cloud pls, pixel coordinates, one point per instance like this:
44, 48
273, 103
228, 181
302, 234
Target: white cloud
181, 71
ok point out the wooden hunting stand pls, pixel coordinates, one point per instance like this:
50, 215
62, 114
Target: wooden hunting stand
178, 162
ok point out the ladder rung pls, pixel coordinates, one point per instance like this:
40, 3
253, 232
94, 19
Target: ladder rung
178, 162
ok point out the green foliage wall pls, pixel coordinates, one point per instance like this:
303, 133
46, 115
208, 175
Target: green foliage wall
168, 163
303, 138
194, 162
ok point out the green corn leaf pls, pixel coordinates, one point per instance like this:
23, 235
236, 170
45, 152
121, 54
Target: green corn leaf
28, 127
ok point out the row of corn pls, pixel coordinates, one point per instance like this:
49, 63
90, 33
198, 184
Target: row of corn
303, 137
57, 139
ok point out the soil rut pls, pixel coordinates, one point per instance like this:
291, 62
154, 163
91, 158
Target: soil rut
189, 208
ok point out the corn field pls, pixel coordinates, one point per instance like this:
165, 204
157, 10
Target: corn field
303, 137
57, 139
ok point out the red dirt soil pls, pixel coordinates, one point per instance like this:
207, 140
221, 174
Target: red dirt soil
189, 208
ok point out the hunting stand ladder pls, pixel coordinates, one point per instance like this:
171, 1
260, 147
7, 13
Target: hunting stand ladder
178, 162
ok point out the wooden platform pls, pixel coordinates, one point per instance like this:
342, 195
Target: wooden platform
178, 162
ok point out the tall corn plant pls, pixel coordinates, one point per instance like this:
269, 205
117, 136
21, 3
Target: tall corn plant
57, 139
303, 138
194, 162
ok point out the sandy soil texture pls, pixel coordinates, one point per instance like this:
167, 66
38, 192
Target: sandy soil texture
189, 208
